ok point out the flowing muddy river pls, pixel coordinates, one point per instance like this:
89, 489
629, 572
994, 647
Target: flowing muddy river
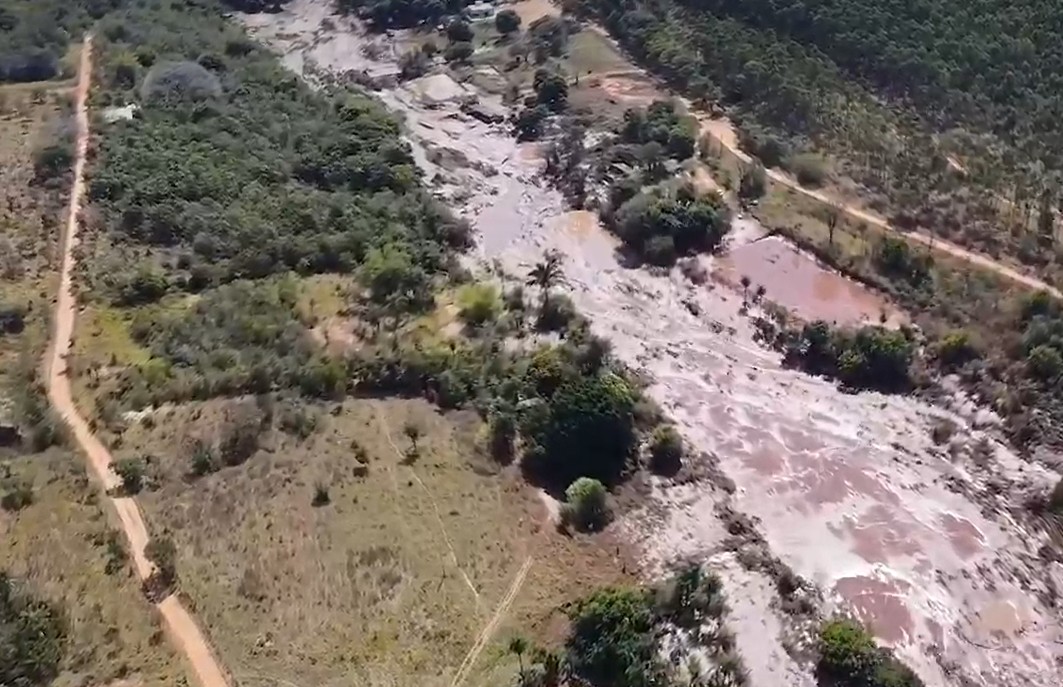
850, 490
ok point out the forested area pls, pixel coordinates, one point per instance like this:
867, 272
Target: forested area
35, 34
401, 13
236, 168
789, 95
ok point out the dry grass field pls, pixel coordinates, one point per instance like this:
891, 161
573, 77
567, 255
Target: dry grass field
348, 556
60, 546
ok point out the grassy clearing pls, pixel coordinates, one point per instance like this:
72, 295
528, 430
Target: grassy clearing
591, 53
374, 585
58, 544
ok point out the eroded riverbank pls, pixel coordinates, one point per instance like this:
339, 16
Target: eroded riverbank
850, 490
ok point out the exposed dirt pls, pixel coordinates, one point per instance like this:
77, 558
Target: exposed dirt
180, 626
848, 489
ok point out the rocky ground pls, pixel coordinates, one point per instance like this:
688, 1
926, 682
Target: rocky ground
921, 539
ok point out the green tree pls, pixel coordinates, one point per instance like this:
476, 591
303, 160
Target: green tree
459, 31
393, 278
666, 449
546, 274
586, 428
131, 471
33, 635
754, 181
551, 89
413, 431
611, 641
518, 646
507, 22
528, 125
162, 552
586, 504
458, 52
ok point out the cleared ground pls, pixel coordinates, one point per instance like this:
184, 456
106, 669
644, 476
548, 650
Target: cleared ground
389, 582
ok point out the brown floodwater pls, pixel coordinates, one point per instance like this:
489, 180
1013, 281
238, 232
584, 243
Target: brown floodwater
799, 283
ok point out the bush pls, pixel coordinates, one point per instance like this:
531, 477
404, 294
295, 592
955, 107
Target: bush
32, 637
1044, 363
956, 349
692, 597
754, 182
586, 505
162, 552
458, 52
459, 31
18, 494
666, 450
528, 125
479, 304
810, 169
507, 22
179, 82
131, 472
867, 358
557, 313
551, 89
848, 657
660, 251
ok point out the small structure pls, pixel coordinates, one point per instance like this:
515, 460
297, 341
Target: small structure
481, 10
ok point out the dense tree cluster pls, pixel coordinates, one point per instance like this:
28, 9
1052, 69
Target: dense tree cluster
867, 358
35, 34
237, 169
615, 636
661, 224
402, 13
32, 636
662, 124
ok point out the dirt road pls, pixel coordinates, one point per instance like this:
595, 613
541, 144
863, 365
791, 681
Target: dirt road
721, 132
180, 625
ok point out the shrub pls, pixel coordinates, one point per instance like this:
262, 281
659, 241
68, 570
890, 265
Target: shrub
393, 278
458, 52
586, 506
754, 182
162, 552
528, 125
956, 349
691, 597
52, 161
177, 82
551, 89
666, 450
414, 63
131, 472
459, 31
848, 657
556, 314
479, 304
17, 495
501, 432
810, 169
32, 637
321, 496
507, 22
1044, 363
660, 251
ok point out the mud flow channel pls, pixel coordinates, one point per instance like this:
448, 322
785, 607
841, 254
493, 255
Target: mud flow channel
849, 489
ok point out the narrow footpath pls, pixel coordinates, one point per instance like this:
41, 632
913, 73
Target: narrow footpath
180, 626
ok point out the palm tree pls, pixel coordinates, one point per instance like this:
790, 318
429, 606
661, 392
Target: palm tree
518, 645
546, 275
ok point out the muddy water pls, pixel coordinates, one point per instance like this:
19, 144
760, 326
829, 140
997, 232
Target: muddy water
849, 489
796, 281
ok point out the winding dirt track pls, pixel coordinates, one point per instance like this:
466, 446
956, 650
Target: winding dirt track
180, 626
719, 131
